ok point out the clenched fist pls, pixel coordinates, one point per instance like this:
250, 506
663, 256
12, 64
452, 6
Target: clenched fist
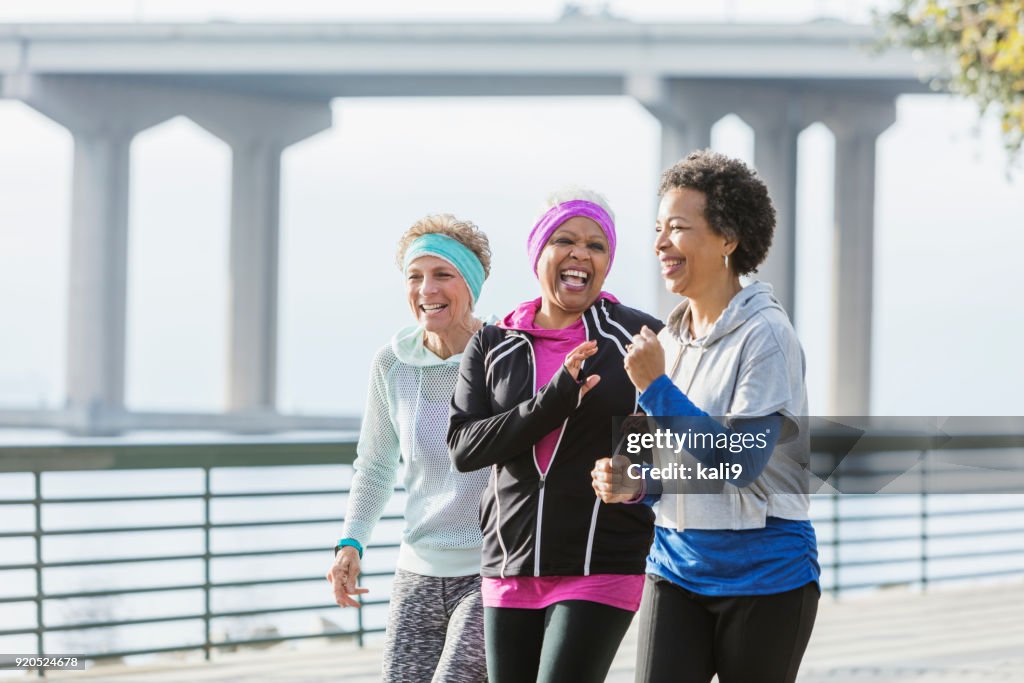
610, 481
645, 358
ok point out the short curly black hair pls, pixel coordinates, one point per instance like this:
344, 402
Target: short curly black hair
737, 205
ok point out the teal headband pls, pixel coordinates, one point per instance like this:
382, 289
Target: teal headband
452, 251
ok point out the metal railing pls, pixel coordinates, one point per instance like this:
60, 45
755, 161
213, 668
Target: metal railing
212, 456
94, 455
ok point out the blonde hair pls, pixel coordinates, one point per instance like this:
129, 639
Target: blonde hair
465, 232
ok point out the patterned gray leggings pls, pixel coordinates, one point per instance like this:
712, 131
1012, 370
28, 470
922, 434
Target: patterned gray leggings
435, 630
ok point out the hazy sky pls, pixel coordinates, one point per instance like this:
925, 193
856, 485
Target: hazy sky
947, 319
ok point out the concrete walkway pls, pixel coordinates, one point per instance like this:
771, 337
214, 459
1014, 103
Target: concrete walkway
964, 635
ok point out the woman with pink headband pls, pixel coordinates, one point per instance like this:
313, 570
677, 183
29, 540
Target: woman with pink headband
562, 572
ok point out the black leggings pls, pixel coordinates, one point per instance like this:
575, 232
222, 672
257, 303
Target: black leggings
688, 638
574, 640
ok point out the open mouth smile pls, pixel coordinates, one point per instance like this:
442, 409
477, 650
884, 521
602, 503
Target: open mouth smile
574, 279
670, 266
431, 309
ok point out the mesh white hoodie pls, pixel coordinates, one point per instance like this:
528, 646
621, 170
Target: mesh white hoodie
406, 419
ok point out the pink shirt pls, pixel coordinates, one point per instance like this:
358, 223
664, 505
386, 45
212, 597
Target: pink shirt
537, 592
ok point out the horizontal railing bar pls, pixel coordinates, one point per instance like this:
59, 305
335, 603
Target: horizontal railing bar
191, 496
917, 537
184, 527
917, 515
146, 651
967, 555
916, 559
274, 494
295, 551
83, 626
177, 496
178, 558
16, 567
241, 452
141, 498
281, 522
272, 610
187, 617
133, 455
179, 587
269, 582
122, 530
18, 631
127, 591
120, 560
976, 575
298, 551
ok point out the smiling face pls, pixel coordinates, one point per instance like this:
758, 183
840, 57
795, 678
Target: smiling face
438, 295
572, 268
690, 252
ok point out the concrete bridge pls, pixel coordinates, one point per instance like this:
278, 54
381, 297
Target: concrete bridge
261, 88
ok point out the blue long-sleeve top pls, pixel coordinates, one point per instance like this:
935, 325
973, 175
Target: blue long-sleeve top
662, 398
716, 562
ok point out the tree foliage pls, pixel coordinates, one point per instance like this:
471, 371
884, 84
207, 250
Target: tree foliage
983, 47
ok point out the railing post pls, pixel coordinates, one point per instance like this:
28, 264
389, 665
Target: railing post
924, 521
37, 533
836, 562
359, 624
207, 644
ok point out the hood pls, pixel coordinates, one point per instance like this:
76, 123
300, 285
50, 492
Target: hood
522, 318
408, 347
757, 296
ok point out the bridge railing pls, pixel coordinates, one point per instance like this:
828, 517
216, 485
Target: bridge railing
910, 535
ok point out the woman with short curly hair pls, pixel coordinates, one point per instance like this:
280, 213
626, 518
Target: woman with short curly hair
435, 615
732, 577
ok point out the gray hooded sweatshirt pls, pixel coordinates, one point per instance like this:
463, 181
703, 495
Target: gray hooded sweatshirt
750, 364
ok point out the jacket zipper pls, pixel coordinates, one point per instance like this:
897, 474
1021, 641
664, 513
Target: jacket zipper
497, 505
543, 475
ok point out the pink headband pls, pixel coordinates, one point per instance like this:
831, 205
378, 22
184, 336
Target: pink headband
559, 214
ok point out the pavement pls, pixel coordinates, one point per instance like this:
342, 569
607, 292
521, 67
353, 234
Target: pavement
968, 635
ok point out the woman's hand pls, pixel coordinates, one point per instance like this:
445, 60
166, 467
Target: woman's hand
342, 576
574, 362
645, 358
610, 481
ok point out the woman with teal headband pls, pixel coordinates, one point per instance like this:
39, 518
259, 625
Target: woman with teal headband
435, 619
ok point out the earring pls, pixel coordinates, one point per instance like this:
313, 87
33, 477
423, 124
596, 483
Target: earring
726, 261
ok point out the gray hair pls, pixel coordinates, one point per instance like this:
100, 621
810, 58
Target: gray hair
568, 194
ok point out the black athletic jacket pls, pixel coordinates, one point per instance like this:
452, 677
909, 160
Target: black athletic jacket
552, 525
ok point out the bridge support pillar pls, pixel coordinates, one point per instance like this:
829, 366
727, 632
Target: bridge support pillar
102, 124
776, 120
856, 126
258, 130
686, 113
103, 116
